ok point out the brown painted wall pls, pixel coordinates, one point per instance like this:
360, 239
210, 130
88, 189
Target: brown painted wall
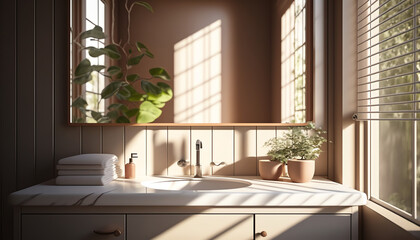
246, 50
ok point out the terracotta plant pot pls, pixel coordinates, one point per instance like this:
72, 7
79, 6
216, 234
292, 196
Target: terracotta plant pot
270, 170
301, 171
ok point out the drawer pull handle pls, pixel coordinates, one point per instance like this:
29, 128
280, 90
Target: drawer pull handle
263, 234
115, 233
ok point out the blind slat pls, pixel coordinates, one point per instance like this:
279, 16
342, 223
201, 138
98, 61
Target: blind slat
387, 68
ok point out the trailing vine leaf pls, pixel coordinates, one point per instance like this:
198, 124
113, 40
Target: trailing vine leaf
114, 70
82, 68
141, 46
96, 52
83, 79
111, 89
104, 120
122, 119
97, 68
131, 113
96, 32
143, 49
119, 75
123, 93
159, 73
134, 60
158, 104
148, 112
96, 115
132, 77
165, 95
150, 88
112, 114
118, 106
145, 5
112, 51
79, 103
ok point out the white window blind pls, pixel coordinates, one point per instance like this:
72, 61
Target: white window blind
388, 39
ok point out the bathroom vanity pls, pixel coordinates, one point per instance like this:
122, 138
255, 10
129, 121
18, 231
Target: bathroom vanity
186, 208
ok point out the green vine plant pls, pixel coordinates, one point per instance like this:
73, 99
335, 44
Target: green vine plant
299, 143
121, 79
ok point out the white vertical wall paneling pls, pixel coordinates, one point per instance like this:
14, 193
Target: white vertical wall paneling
263, 135
113, 142
135, 142
204, 134
157, 151
245, 151
91, 139
223, 150
178, 148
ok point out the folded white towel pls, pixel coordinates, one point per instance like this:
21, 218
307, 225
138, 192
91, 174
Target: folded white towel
84, 166
84, 180
79, 172
89, 159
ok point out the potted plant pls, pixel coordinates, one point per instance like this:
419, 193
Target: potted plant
279, 153
299, 148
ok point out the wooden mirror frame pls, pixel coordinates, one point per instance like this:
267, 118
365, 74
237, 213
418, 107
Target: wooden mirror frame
309, 96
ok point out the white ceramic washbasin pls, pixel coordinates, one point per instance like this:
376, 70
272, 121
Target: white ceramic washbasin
196, 184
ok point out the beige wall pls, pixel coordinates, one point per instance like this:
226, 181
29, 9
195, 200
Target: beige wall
159, 148
379, 223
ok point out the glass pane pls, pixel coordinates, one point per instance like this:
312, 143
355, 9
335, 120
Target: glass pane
392, 162
418, 169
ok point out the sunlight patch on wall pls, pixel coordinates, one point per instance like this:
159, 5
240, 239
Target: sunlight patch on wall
198, 81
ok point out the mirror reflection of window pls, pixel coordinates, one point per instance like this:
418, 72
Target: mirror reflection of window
293, 62
85, 14
95, 15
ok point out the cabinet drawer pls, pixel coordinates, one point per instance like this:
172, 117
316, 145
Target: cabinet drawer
71, 227
190, 226
303, 226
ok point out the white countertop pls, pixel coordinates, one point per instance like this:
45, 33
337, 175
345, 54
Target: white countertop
124, 192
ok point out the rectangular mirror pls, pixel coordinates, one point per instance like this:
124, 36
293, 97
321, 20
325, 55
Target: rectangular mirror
187, 62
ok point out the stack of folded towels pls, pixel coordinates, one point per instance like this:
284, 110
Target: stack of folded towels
87, 169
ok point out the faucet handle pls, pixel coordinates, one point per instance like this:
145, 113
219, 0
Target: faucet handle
198, 144
213, 164
182, 163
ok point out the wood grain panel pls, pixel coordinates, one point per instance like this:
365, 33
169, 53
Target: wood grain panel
178, 148
8, 119
135, 142
25, 95
190, 226
245, 151
44, 92
113, 142
223, 150
91, 139
67, 139
204, 134
157, 151
263, 135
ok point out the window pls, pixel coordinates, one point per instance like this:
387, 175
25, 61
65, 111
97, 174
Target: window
295, 60
85, 14
389, 99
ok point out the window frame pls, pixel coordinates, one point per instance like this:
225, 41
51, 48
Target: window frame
414, 215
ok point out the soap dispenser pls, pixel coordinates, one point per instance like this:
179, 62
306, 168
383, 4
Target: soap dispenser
130, 168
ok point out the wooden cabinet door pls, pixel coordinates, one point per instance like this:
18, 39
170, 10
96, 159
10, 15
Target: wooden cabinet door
190, 226
71, 227
303, 226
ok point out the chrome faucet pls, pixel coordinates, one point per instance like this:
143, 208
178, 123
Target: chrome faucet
198, 146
